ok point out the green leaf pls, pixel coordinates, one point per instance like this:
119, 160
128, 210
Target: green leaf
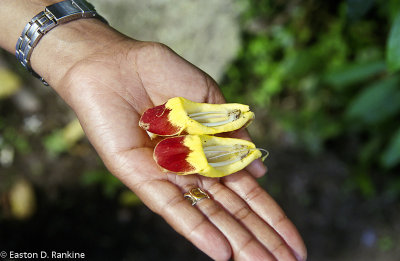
108, 182
354, 73
391, 155
386, 243
365, 184
127, 198
62, 139
369, 150
393, 50
377, 102
55, 142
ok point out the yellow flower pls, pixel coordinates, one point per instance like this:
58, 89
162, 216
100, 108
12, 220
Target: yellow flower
181, 116
205, 155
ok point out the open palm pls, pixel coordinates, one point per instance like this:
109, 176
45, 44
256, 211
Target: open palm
109, 91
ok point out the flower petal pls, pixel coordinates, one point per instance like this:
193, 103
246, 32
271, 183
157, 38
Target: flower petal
155, 120
180, 115
171, 155
206, 155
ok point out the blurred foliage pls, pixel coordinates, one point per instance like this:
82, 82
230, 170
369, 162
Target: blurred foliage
110, 186
386, 243
393, 51
102, 178
128, 198
9, 83
62, 139
327, 72
22, 199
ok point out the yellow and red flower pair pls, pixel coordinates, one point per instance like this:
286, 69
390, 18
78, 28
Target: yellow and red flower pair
190, 149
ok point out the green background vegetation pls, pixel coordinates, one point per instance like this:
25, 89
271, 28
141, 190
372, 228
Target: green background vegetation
327, 73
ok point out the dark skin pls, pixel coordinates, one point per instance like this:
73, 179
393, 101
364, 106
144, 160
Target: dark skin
109, 80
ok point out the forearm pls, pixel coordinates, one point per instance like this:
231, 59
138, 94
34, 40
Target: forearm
59, 49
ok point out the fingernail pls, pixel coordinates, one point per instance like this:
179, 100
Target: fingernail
261, 168
298, 257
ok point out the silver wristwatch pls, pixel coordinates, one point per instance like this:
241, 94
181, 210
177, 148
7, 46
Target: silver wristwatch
46, 20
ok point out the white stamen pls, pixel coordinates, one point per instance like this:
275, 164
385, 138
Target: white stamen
222, 155
209, 157
226, 162
218, 123
206, 117
215, 118
266, 153
217, 148
191, 115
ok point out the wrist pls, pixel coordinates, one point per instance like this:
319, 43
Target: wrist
59, 49
68, 44
14, 15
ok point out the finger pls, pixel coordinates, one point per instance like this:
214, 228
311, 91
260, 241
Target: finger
244, 245
167, 200
257, 168
257, 226
214, 93
265, 207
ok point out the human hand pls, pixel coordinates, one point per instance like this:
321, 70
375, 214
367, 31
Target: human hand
109, 89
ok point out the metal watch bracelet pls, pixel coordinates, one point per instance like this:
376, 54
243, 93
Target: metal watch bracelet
46, 20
